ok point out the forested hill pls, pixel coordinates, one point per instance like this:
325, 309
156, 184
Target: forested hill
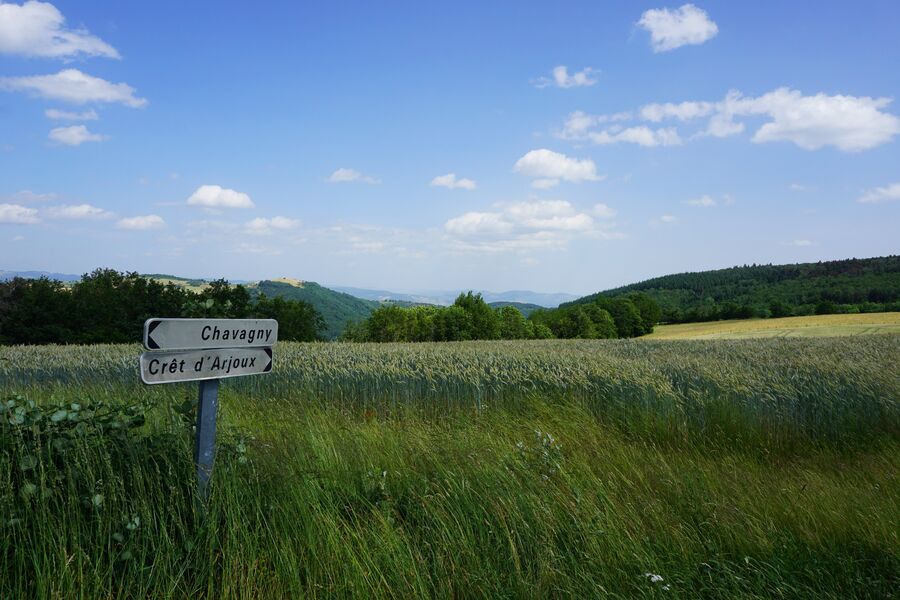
336, 308
852, 285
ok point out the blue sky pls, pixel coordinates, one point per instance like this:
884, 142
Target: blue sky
555, 147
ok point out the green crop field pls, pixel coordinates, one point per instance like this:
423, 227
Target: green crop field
624, 468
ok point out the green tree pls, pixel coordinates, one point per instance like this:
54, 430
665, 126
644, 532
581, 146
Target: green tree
513, 325
297, 320
483, 320
36, 311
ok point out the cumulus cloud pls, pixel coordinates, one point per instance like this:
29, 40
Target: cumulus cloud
29, 196
602, 211
38, 29
526, 225
683, 111
140, 223
549, 167
705, 201
450, 181
71, 85
63, 115
16, 213
561, 78
344, 175
642, 136
262, 226
214, 196
74, 135
881, 194
848, 123
673, 28
472, 223
76, 211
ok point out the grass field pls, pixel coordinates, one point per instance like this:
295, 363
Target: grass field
811, 326
730, 468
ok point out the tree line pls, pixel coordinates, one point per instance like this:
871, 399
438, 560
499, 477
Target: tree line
471, 318
763, 291
106, 306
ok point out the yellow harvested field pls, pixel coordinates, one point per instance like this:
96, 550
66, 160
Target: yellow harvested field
294, 282
811, 326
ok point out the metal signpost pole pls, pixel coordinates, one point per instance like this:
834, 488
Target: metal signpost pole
205, 437
206, 350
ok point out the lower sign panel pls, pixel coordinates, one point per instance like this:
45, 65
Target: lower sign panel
194, 365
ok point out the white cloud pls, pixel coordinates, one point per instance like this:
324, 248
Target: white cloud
37, 29
563, 79
881, 194
798, 187
29, 196
603, 211
74, 135
262, 226
452, 182
76, 211
642, 136
704, 201
548, 215
670, 29
71, 85
344, 175
578, 124
16, 213
141, 223
550, 167
528, 225
474, 223
800, 243
848, 123
214, 196
544, 184
683, 111
63, 115
668, 218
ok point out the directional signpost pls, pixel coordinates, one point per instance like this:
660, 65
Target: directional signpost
206, 350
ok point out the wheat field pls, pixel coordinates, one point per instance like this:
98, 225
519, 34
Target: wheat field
622, 468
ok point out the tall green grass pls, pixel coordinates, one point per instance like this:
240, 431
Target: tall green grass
559, 469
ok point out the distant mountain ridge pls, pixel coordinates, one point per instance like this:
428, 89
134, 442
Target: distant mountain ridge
66, 277
446, 297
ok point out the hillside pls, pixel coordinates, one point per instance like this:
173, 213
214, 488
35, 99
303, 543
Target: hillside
852, 285
336, 308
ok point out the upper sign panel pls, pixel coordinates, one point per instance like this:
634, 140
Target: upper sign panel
194, 334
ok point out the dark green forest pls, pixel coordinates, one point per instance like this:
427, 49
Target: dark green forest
106, 306
762, 291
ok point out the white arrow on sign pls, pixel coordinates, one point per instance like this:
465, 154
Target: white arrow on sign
197, 365
189, 334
